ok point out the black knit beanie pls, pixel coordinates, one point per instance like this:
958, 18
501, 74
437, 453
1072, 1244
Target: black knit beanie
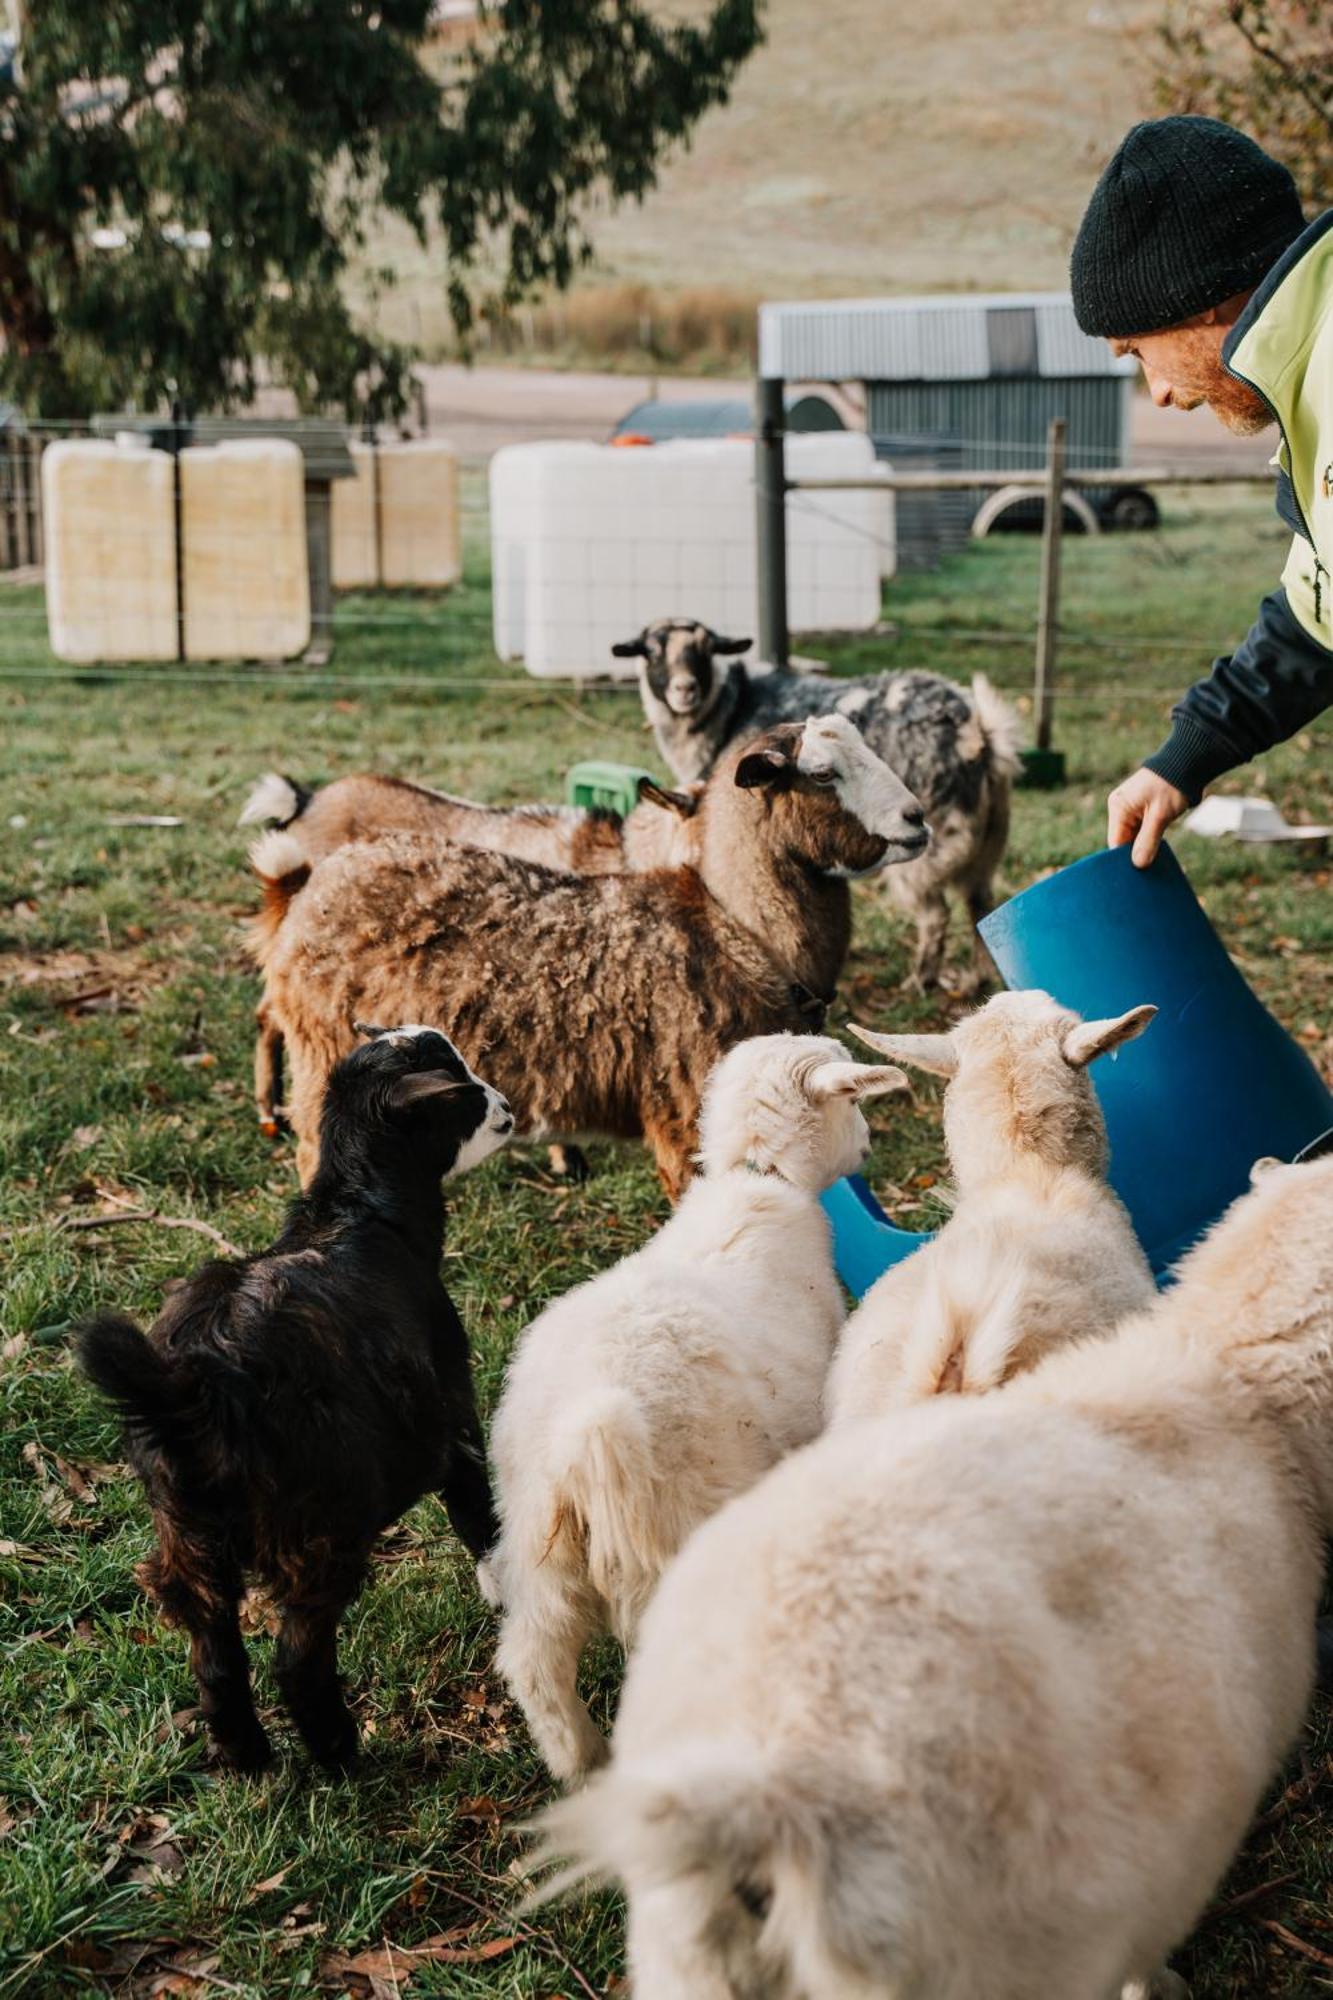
1189, 212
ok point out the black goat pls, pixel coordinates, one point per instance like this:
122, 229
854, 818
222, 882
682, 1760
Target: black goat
286, 1409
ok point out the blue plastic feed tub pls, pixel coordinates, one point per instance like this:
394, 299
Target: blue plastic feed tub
1213, 1085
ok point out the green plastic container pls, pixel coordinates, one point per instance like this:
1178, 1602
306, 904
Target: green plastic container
607, 787
1043, 770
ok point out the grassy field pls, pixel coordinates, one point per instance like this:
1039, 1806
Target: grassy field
126, 1863
861, 152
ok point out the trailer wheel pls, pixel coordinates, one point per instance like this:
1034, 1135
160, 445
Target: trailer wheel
1132, 508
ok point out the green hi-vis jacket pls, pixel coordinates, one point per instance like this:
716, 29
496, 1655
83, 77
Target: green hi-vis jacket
1281, 676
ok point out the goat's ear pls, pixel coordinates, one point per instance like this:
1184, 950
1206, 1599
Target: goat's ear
1091, 1039
368, 1029
420, 1086
935, 1053
853, 1079
631, 649
1263, 1168
684, 804
716, 645
769, 766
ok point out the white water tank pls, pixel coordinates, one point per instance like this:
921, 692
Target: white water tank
245, 577
109, 519
591, 542
398, 523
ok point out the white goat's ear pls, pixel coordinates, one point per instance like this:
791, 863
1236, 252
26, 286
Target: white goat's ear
935, 1053
849, 1079
684, 804
1091, 1039
1263, 1168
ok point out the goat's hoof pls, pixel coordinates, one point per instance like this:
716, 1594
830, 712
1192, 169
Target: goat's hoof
570, 1162
337, 1752
249, 1751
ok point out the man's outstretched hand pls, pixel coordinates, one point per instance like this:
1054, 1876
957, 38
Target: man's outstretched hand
1141, 810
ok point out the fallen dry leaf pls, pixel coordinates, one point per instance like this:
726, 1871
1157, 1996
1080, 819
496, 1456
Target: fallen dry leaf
271, 1882
482, 1809
395, 1961
21, 1552
58, 1505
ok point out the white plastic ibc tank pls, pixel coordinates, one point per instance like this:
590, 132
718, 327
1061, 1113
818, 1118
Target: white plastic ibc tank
609, 538
245, 570
109, 520
837, 523
354, 544
514, 513
420, 539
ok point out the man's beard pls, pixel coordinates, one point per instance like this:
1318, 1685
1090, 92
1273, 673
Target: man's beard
1241, 409
1245, 421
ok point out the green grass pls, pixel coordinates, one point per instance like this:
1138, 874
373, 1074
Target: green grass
121, 1851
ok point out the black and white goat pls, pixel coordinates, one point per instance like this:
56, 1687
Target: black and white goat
955, 748
284, 1410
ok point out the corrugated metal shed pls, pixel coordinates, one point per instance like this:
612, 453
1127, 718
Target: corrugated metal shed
969, 380
962, 337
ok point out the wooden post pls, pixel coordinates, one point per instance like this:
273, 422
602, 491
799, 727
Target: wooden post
770, 481
34, 478
1048, 607
8, 556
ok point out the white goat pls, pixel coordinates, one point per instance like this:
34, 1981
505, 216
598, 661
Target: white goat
976, 1701
1037, 1250
639, 1402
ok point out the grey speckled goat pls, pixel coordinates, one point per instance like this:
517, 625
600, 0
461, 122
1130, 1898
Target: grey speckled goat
955, 748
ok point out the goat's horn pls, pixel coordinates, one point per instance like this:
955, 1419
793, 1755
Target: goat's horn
935, 1053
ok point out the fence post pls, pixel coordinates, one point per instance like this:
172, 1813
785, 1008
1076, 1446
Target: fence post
770, 483
1048, 608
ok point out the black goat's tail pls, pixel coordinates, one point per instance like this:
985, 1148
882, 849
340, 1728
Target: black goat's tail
145, 1388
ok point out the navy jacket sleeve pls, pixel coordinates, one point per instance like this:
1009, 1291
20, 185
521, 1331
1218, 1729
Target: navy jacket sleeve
1276, 681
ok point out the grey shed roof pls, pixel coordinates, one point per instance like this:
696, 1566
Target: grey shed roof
962, 337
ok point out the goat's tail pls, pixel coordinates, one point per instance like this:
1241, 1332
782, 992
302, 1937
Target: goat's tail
615, 1507
976, 1309
147, 1391
283, 872
186, 1408
274, 801
1001, 731
765, 1869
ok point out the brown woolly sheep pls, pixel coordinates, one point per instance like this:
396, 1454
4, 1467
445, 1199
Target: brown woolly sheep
596, 1004
367, 806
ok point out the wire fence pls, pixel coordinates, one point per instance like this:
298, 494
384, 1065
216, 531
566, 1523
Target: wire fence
200, 568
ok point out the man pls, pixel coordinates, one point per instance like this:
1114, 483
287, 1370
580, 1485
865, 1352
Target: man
1194, 256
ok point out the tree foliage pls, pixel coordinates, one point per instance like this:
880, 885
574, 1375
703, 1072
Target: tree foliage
1265, 65
243, 150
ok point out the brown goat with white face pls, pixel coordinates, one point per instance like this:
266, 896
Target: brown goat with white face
598, 1005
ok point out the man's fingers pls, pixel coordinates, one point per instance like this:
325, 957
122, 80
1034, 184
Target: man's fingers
1122, 819
1156, 820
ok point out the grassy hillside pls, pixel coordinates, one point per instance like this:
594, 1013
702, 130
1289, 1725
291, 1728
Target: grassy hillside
871, 146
